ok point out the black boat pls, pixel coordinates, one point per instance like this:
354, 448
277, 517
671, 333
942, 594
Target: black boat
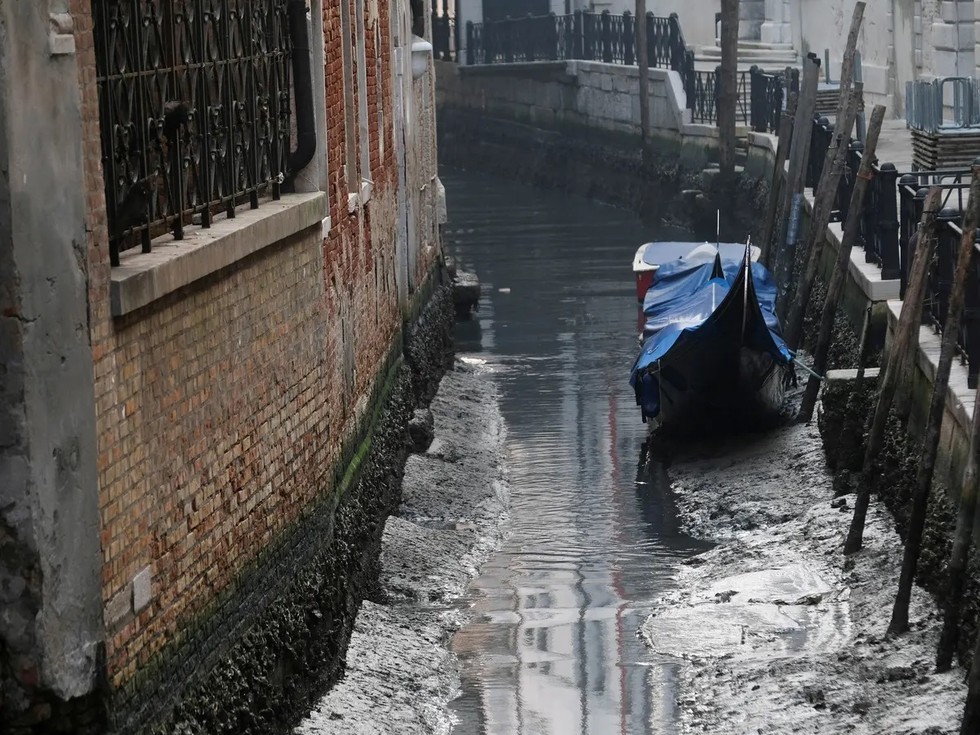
712, 354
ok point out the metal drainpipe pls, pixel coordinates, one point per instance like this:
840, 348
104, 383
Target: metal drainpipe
302, 89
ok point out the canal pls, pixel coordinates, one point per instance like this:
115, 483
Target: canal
593, 537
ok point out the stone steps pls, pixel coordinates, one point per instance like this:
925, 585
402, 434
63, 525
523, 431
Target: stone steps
768, 56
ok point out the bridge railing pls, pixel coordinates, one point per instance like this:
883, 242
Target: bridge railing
612, 39
445, 37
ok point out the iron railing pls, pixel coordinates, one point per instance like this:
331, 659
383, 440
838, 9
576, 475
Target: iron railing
768, 94
194, 111
580, 35
878, 226
612, 39
704, 101
948, 244
445, 42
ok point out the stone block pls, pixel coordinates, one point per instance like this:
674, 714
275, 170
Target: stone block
606, 82
967, 36
776, 32
142, 589
119, 607
944, 36
622, 108
621, 83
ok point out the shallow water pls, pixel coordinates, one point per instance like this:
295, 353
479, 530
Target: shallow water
593, 536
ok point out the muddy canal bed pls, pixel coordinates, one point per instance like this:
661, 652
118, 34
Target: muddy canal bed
551, 571
778, 631
400, 674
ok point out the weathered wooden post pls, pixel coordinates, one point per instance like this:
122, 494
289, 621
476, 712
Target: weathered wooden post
798, 155
629, 39
822, 206
930, 445
970, 724
606, 31
851, 227
778, 175
643, 61
907, 322
728, 90
959, 556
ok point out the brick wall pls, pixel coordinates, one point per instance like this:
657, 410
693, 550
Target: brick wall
222, 407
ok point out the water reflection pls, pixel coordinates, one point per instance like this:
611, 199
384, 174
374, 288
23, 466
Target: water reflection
594, 537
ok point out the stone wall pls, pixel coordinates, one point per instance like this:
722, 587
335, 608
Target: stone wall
582, 94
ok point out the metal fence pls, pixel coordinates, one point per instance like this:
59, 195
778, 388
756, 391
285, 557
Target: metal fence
194, 109
445, 41
611, 39
924, 103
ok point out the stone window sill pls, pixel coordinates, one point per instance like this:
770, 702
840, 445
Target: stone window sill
360, 198
142, 278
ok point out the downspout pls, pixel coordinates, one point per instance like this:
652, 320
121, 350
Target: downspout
302, 89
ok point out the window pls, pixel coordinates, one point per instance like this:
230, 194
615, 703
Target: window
194, 111
350, 123
380, 101
364, 132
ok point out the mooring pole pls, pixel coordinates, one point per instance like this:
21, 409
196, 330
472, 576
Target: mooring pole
855, 213
728, 94
971, 712
644, 68
930, 445
799, 153
778, 178
958, 558
907, 322
823, 204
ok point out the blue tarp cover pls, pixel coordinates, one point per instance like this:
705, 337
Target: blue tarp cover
686, 291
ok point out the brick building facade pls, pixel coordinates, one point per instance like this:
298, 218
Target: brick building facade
225, 391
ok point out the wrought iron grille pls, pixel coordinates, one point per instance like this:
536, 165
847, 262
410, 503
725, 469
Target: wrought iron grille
194, 109
703, 103
580, 35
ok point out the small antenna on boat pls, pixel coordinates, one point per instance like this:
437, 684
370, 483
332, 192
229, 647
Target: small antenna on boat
746, 283
718, 228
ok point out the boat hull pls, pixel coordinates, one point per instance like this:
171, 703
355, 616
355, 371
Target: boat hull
730, 370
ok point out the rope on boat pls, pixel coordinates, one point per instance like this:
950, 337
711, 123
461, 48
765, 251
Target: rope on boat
812, 373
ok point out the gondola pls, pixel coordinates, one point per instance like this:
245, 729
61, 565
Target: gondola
712, 355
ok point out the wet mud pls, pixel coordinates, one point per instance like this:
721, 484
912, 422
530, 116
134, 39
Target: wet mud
779, 633
400, 674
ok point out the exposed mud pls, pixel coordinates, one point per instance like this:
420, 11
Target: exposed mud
400, 675
779, 633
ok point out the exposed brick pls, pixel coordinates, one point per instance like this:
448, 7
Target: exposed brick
222, 408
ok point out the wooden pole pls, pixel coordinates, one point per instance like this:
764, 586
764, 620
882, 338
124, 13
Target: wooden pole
644, 65
843, 103
778, 176
855, 210
847, 61
962, 539
823, 205
930, 446
799, 152
958, 558
728, 92
864, 347
971, 712
907, 322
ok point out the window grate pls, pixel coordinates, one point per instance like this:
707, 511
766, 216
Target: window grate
194, 100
